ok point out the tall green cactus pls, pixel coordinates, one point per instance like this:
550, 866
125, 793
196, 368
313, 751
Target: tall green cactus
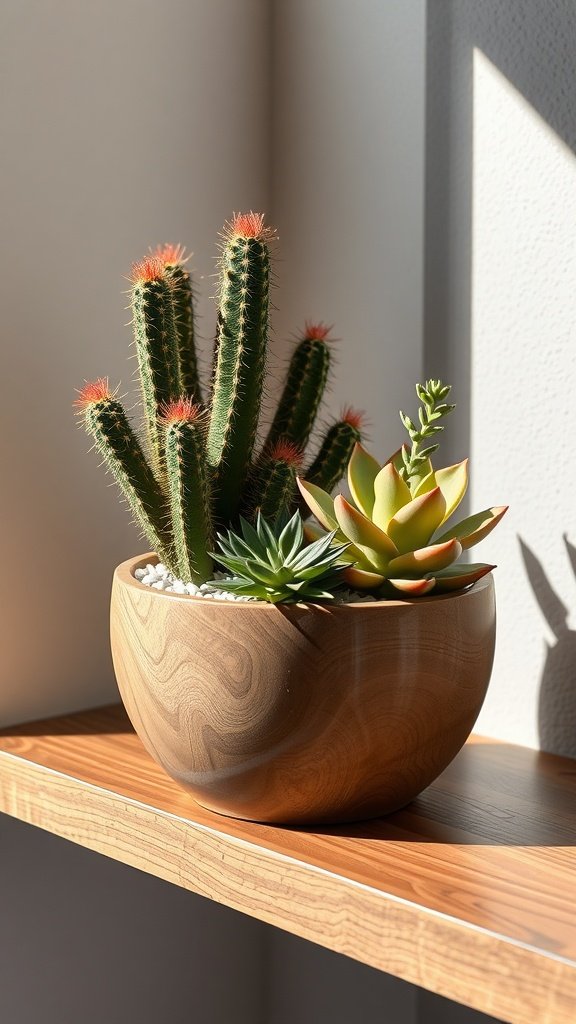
240, 358
188, 489
105, 419
157, 347
174, 261
203, 470
304, 388
272, 487
329, 466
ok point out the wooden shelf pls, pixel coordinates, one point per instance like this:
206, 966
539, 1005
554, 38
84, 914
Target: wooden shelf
470, 892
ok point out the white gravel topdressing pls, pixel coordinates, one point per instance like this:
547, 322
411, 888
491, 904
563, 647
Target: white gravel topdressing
159, 578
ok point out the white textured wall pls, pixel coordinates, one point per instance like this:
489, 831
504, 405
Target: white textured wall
122, 124
501, 322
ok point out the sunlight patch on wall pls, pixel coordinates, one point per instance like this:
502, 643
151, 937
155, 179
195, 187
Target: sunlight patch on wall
523, 365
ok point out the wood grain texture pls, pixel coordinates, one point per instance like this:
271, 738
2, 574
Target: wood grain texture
301, 713
469, 892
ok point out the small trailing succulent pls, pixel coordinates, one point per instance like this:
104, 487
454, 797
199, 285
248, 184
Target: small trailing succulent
274, 563
199, 465
394, 522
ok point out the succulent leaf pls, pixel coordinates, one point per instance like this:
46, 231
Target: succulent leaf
362, 472
414, 524
426, 560
413, 588
362, 579
426, 484
291, 538
452, 481
320, 504
374, 544
391, 493
472, 530
456, 577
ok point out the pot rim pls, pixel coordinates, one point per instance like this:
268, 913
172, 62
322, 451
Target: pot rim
124, 573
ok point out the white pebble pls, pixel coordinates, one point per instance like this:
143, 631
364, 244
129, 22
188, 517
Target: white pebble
159, 578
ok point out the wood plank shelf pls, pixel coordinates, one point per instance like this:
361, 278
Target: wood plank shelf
469, 892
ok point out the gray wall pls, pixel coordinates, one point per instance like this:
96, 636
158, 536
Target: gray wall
124, 124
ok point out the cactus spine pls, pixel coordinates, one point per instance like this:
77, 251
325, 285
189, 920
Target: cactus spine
187, 490
329, 466
303, 390
202, 470
242, 336
105, 419
174, 260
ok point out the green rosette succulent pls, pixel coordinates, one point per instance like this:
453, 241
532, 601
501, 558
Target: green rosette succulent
276, 564
394, 522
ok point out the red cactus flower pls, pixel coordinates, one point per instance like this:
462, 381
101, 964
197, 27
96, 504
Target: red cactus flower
248, 225
183, 410
170, 254
288, 452
151, 268
354, 417
92, 392
316, 331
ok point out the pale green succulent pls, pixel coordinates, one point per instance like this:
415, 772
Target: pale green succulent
275, 563
394, 522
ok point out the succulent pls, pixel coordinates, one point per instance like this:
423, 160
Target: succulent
200, 465
394, 521
274, 563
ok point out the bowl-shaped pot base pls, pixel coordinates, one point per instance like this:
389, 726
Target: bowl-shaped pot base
301, 713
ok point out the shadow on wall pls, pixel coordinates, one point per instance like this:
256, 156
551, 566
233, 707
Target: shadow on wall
557, 693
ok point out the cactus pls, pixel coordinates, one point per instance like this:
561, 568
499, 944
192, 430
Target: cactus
304, 388
157, 348
397, 510
240, 358
272, 485
329, 466
188, 489
205, 466
174, 259
106, 421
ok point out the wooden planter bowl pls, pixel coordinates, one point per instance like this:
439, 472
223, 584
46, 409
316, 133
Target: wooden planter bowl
301, 713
